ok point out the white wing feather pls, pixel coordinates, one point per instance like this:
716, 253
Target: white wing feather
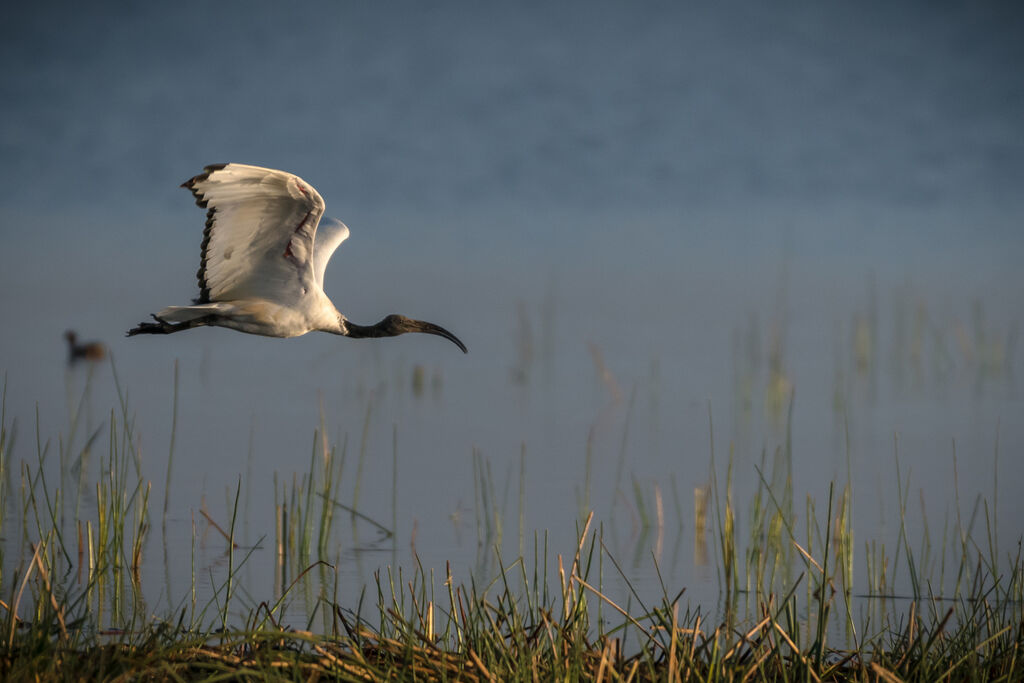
260, 230
329, 235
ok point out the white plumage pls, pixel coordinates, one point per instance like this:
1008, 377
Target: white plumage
264, 253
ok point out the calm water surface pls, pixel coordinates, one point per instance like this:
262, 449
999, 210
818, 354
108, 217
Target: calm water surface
636, 221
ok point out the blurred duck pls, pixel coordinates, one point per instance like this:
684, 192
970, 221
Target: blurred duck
90, 351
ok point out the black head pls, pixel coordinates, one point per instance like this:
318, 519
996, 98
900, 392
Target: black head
394, 325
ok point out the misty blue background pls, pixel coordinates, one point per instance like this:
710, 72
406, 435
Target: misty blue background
647, 179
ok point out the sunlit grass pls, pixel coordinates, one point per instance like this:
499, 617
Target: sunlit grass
74, 607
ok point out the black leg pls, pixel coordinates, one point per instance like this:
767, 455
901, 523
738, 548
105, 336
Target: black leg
163, 327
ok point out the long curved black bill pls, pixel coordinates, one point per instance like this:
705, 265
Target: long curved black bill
431, 328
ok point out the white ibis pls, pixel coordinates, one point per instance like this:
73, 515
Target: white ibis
90, 351
263, 261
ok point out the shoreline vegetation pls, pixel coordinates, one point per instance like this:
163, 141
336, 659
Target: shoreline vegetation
71, 605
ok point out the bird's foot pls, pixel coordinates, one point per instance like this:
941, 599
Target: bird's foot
161, 326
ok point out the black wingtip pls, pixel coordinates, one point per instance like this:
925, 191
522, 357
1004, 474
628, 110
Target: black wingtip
207, 170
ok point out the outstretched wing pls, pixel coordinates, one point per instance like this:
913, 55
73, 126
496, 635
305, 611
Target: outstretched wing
329, 236
260, 230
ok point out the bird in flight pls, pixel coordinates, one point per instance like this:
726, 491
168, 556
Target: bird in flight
264, 252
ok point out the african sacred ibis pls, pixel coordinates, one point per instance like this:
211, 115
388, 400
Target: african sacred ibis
263, 261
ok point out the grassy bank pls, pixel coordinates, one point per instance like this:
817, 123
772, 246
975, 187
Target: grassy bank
72, 605
518, 628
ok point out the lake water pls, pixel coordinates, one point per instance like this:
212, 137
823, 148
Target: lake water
635, 220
